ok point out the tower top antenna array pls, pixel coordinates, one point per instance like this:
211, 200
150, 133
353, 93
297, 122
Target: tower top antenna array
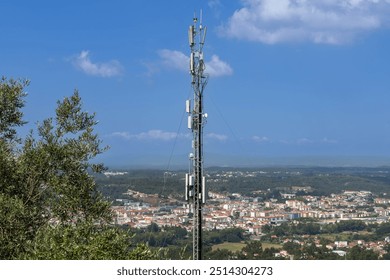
195, 186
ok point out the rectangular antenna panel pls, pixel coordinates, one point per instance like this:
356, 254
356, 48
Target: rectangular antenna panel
190, 122
188, 106
204, 35
192, 62
187, 179
191, 36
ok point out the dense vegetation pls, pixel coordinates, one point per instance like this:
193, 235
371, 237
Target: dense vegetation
301, 241
50, 207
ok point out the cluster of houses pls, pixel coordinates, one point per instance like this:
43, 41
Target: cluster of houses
251, 214
234, 210
224, 210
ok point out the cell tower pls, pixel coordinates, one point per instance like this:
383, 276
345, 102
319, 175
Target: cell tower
195, 191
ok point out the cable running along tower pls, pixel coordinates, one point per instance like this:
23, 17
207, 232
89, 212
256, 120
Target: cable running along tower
195, 188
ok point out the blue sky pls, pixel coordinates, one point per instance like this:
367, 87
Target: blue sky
288, 79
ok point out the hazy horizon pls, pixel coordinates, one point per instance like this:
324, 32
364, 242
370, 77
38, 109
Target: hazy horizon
181, 162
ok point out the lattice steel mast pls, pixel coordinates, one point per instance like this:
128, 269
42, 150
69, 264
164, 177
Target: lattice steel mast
195, 193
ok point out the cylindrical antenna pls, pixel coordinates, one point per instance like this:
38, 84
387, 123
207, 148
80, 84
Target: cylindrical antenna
200, 25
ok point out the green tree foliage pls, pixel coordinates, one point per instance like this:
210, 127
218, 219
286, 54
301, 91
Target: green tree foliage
49, 203
359, 253
254, 251
11, 103
309, 227
293, 248
351, 226
225, 235
220, 254
86, 242
383, 229
314, 252
155, 236
14, 227
386, 256
153, 227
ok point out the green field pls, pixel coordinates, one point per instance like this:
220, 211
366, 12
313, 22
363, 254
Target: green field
229, 246
343, 235
238, 246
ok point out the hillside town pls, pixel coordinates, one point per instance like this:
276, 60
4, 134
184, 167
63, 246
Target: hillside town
253, 213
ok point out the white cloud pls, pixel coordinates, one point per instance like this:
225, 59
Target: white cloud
327, 140
219, 137
216, 67
154, 134
304, 141
260, 139
157, 135
122, 134
214, 4
174, 59
105, 69
151, 68
160, 135
322, 21
179, 61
